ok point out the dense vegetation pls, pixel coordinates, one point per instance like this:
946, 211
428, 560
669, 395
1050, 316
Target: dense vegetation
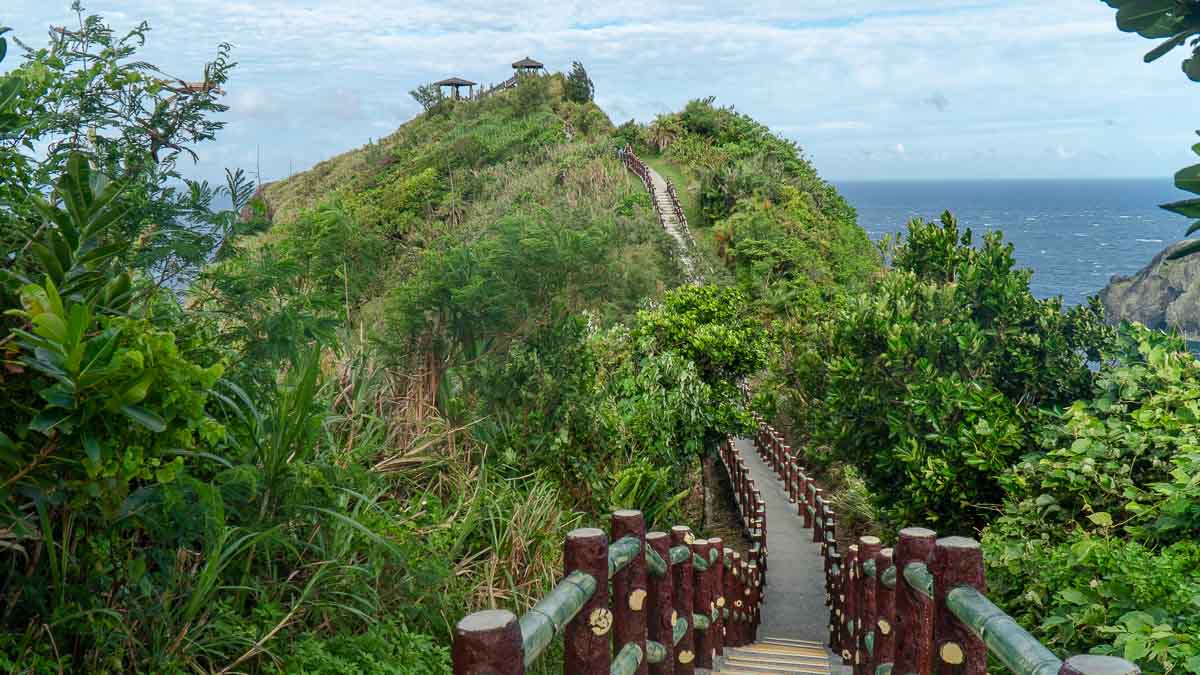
311, 437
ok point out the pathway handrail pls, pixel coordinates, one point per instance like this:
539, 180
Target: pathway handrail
675, 601
919, 607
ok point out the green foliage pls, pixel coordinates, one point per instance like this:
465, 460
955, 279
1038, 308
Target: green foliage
87, 93
1179, 23
929, 383
578, 87
428, 95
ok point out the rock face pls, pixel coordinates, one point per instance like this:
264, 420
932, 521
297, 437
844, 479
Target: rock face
1164, 294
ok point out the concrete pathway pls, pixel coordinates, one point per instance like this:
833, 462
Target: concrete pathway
794, 600
666, 207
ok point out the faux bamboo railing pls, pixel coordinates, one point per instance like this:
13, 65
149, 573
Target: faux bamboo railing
674, 604
919, 607
638, 167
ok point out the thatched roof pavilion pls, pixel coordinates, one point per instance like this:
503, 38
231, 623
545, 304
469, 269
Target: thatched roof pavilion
456, 84
527, 66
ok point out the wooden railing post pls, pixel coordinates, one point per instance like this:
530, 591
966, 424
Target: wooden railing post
586, 640
660, 615
733, 599
818, 526
868, 550
957, 561
914, 611
717, 584
629, 587
885, 613
849, 598
685, 650
489, 642
702, 605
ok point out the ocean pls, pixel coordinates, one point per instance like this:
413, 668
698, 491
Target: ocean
1074, 234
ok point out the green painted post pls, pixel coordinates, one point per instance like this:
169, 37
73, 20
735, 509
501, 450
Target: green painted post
914, 611
630, 587
488, 642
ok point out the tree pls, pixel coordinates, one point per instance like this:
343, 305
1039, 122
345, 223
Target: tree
1179, 23
428, 95
579, 87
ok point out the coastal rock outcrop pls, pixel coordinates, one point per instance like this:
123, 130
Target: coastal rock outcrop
1164, 294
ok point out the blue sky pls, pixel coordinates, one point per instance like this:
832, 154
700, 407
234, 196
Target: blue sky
872, 89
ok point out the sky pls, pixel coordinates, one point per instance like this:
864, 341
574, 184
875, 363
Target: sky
871, 89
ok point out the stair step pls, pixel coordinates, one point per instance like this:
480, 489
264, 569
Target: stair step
784, 650
791, 642
814, 665
731, 669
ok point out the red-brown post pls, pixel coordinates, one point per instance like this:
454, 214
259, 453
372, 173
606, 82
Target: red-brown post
957, 561
681, 578
914, 612
868, 549
629, 587
488, 642
717, 578
660, 623
733, 598
833, 560
754, 578
702, 605
849, 597
885, 613
818, 525
586, 640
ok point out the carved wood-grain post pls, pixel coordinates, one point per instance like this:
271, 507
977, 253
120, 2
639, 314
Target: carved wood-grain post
681, 579
717, 583
818, 525
629, 587
802, 498
733, 598
586, 640
849, 597
957, 561
754, 577
914, 612
660, 615
488, 642
885, 613
701, 605
868, 550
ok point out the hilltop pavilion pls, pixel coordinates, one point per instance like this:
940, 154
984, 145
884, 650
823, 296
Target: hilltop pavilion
456, 84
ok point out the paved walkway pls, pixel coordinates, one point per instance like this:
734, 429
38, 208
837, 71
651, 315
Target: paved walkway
667, 208
794, 600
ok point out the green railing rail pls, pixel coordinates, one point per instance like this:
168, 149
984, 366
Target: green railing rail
662, 602
919, 607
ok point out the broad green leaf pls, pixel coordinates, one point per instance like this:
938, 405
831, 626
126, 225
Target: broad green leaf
1074, 596
1188, 208
1161, 50
48, 419
137, 393
1101, 518
1184, 251
1140, 15
144, 417
1188, 178
50, 326
91, 445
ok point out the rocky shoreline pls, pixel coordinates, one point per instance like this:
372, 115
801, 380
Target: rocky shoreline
1164, 295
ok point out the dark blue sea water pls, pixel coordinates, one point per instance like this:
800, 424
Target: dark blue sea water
1073, 234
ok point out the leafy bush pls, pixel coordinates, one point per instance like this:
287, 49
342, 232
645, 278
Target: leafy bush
930, 383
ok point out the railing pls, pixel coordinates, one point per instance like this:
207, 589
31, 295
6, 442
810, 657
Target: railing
919, 607
638, 167
507, 84
675, 601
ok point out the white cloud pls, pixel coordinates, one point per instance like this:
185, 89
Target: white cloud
835, 75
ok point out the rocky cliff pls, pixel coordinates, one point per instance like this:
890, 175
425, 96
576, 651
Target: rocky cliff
1164, 294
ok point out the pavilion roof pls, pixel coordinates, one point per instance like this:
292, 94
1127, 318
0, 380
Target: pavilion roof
455, 82
527, 63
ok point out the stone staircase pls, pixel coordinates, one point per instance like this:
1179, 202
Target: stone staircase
777, 656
